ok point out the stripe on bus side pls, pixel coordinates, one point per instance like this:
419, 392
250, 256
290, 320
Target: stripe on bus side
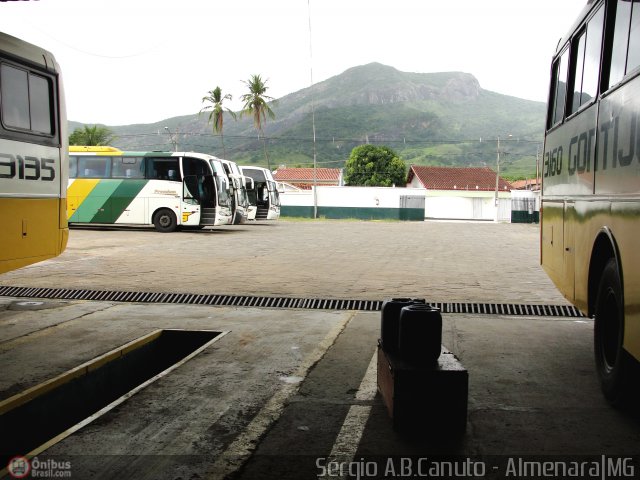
119, 200
77, 192
101, 201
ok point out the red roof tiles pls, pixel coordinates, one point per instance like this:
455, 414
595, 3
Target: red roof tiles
303, 177
528, 184
457, 178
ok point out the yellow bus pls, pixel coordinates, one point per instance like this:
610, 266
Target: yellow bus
590, 220
33, 155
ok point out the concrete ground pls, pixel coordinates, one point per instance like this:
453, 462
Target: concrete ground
287, 393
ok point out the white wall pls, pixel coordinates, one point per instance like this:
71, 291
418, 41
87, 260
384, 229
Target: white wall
467, 205
300, 198
439, 204
333, 196
518, 195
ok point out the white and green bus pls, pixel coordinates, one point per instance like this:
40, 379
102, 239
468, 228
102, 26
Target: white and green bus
264, 195
33, 155
165, 189
590, 219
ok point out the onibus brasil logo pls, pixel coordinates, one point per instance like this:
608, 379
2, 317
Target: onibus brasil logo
19, 467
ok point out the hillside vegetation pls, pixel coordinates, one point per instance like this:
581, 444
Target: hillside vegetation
427, 118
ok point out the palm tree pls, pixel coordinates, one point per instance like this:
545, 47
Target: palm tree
91, 136
255, 104
216, 114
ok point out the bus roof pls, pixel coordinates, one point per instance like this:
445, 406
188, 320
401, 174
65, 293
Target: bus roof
27, 51
161, 153
94, 149
583, 14
147, 153
106, 150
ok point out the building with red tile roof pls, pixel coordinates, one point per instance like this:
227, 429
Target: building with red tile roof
462, 193
455, 178
304, 177
527, 184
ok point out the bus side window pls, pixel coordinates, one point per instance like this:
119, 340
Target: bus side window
559, 90
625, 52
40, 104
94, 167
27, 102
73, 166
585, 66
127, 167
163, 169
633, 57
15, 97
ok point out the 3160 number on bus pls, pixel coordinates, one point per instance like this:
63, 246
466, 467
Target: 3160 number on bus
553, 162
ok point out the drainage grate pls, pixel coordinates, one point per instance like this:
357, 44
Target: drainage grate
283, 302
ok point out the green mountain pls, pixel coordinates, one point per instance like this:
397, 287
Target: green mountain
427, 118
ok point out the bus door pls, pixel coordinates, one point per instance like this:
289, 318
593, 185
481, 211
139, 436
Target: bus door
569, 247
198, 197
191, 200
250, 190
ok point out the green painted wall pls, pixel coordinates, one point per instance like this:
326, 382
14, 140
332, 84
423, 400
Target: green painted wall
296, 211
361, 213
518, 216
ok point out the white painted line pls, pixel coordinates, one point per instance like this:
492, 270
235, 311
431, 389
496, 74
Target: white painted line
369, 385
243, 446
348, 440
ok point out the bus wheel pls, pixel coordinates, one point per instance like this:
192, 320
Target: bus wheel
609, 329
165, 221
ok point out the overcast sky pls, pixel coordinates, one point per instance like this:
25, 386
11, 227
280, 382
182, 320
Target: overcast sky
142, 61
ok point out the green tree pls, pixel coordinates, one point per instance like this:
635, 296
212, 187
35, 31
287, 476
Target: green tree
373, 166
256, 105
95, 136
216, 113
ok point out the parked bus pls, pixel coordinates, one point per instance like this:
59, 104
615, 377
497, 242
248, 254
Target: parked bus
264, 195
33, 155
591, 184
164, 189
239, 196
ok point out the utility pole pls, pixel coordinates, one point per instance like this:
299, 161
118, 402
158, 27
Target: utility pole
174, 138
313, 119
537, 165
498, 178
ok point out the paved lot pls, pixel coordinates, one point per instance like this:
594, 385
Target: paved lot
441, 261
288, 390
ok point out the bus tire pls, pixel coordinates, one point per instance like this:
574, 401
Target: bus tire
165, 220
611, 361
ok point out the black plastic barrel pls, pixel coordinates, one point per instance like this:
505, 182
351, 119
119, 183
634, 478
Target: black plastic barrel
420, 334
390, 321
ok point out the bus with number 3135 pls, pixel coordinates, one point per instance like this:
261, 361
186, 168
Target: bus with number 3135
33, 155
590, 219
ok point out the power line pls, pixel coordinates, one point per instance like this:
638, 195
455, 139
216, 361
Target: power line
350, 140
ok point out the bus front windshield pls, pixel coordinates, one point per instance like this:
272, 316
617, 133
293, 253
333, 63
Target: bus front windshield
273, 194
243, 197
222, 186
224, 197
